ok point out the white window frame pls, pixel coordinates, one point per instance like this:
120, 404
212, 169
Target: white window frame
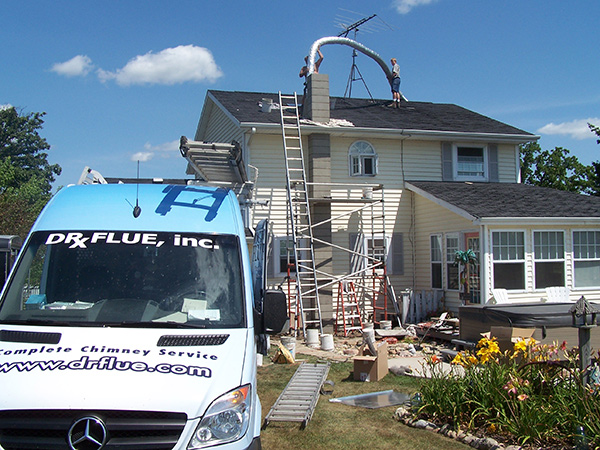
357, 154
547, 258
365, 250
439, 260
591, 255
455, 167
277, 248
450, 253
510, 259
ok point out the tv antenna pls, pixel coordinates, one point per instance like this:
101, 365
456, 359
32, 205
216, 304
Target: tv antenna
355, 74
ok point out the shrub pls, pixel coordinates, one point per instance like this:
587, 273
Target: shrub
533, 394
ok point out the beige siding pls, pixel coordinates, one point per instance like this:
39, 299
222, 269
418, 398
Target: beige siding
422, 160
431, 218
266, 154
221, 128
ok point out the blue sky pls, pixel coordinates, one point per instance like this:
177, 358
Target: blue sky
121, 81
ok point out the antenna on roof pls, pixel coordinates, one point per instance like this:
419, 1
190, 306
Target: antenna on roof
355, 74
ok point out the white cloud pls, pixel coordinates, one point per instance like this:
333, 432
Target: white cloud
78, 66
165, 150
576, 129
185, 63
405, 6
142, 156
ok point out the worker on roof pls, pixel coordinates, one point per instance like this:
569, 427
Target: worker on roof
395, 82
304, 71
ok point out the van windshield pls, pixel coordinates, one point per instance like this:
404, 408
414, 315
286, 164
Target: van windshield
118, 278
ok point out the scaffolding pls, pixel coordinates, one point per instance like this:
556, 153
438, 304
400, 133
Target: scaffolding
363, 204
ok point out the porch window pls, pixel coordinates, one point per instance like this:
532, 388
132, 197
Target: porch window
586, 255
436, 261
363, 159
451, 268
508, 250
549, 258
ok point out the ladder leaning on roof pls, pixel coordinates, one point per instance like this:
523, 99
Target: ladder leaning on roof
299, 213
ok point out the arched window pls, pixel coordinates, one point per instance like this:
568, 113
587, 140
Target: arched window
362, 159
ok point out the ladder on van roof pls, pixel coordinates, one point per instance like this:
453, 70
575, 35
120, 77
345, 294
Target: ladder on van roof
299, 214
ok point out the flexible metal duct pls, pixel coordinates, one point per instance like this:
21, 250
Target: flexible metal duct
349, 42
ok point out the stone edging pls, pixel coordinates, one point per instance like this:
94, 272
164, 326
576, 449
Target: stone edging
405, 416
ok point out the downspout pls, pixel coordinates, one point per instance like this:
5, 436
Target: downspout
412, 230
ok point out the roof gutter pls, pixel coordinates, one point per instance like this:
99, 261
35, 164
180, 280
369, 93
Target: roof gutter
528, 221
394, 133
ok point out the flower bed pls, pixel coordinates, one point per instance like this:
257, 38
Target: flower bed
532, 395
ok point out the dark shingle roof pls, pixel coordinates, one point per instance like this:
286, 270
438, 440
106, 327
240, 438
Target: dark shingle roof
365, 113
486, 200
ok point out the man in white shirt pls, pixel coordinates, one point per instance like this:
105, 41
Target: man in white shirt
395, 82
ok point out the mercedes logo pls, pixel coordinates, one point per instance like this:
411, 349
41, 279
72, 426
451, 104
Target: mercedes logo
87, 433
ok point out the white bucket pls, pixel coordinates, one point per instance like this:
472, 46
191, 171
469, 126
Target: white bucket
327, 342
312, 337
289, 342
386, 324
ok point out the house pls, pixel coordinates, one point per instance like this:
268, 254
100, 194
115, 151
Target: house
451, 180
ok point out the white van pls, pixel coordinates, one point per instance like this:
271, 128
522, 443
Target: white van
131, 320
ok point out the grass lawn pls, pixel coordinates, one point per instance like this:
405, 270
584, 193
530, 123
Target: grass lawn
335, 426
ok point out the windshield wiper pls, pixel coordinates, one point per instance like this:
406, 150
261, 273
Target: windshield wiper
48, 322
132, 324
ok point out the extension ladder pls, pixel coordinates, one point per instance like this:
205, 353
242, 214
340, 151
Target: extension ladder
299, 213
299, 399
348, 314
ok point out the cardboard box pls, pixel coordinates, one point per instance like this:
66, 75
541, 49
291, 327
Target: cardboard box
507, 336
368, 367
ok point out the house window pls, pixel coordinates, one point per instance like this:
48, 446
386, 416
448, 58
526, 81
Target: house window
377, 249
436, 261
470, 163
285, 255
549, 258
451, 268
586, 255
508, 250
363, 159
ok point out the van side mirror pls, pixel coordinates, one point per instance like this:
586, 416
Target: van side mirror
275, 317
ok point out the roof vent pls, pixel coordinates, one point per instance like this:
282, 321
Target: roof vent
267, 105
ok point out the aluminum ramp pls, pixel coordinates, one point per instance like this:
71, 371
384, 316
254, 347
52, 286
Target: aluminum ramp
298, 400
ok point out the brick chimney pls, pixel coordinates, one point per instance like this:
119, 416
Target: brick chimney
316, 108
316, 103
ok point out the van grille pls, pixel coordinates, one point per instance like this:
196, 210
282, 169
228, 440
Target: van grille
193, 340
48, 429
29, 337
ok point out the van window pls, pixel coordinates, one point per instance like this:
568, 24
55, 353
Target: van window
127, 279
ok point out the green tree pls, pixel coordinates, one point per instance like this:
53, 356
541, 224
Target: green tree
21, 142
26, 176
556, 169
595, 177
596, 130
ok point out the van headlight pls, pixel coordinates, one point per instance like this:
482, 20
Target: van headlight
226, 420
